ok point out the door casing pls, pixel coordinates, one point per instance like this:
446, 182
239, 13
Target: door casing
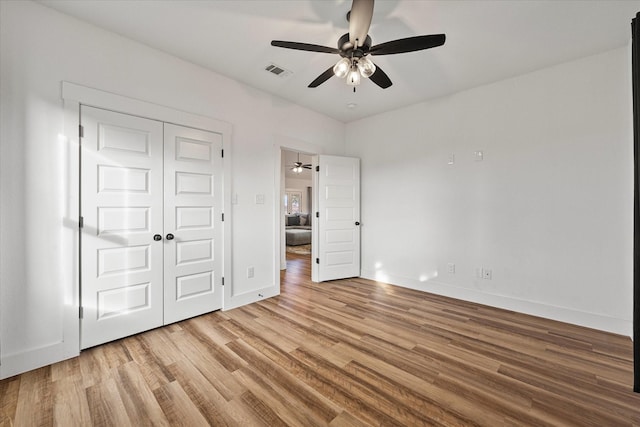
73, 96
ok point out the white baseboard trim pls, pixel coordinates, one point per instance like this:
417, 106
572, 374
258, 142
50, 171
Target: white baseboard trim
254, 295
18, 363
562, 314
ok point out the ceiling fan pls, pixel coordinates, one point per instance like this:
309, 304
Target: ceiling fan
355, 46
298, 166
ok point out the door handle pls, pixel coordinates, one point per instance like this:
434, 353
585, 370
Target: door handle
357, 222
170, 236
157, 237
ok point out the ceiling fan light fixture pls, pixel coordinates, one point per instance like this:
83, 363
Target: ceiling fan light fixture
366, 67
353, 78
341, 69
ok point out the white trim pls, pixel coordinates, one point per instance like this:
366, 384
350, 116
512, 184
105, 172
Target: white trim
561, 314
18, 363
73, 96
69, 345
291, 144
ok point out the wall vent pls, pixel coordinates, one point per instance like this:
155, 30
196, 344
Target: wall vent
277, 70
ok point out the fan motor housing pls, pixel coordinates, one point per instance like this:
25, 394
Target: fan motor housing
347, 50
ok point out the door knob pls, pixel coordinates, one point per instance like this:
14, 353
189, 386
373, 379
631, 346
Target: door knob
170, 236
357, 223
157, 237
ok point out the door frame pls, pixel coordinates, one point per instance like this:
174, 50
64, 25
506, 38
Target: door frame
281, 144
74, 95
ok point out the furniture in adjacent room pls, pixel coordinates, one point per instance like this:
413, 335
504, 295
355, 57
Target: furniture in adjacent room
297, 229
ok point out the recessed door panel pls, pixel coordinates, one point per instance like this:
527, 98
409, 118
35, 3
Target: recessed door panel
337, 192
339, 258
194, 183
124, 300
124, 260
190, 217
340, 236
194, 251
193, 285
123, 220
130, 138
120, 179
190, 150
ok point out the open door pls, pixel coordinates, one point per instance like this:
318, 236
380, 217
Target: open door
338, 217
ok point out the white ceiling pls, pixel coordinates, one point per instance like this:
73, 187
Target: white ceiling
487, 41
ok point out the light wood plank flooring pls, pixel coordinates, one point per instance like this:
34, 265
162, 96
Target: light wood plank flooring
344, 353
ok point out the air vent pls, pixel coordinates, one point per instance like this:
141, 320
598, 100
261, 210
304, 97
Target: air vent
277, 70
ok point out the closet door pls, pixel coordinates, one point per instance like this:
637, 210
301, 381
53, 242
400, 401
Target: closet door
121, 208
192, 222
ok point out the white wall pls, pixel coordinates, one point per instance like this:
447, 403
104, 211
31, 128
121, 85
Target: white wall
548, 210
39, 48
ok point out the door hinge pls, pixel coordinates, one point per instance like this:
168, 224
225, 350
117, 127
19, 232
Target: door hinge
222, 216
317, 214
222, 153
317, 168
81, 131
223, 281
81, 222
81, 312
317, 260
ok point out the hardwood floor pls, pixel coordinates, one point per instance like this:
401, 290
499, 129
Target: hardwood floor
343, 353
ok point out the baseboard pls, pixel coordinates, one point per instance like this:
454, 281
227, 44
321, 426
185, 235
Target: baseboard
240, 299
18, 363
561, 314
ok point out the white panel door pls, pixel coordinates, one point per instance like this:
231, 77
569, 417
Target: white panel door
339, 221
121, 206
193, 222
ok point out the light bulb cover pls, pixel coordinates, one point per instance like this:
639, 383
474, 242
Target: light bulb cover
341, 69
353, 78
366, 67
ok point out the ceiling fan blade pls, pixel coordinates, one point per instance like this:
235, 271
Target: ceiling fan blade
308, 166
322, 78
304, 46
360, 21
410, 44
380, 78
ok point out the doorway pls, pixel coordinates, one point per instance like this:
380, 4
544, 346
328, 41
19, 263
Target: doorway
335, 213
296, 205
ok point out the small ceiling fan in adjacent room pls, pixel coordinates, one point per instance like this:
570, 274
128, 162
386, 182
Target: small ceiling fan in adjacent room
355, 46
298, 167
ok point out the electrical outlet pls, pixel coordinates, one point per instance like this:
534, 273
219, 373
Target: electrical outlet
486, 273
479, 155
451, 268
259, 199
250, 272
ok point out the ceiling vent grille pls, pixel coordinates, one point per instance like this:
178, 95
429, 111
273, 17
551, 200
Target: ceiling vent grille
277, 70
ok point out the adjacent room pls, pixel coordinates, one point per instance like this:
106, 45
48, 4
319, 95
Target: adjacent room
319, 212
